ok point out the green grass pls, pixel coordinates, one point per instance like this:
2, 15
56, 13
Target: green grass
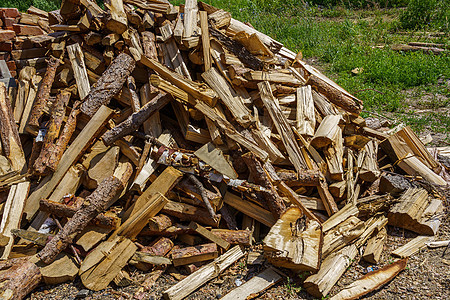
23, 5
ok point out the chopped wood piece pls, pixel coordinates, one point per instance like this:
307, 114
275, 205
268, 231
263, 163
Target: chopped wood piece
254, 286
295, 199
118, 19
371, 281
342, 234
306, 118
186, 212
189, 255
12, 147
21, 277
205, 40
108, 84
63, 269
283, 127
133, 122
327, 132
79, 69
331, 269
44, 91
209, 235
294, 242
203, 275
374, 247
412, 247
93, 205
234, 237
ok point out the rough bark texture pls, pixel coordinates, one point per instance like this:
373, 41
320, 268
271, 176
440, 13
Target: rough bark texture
44, 92
21, 278
63, 210
160, 222
135, 120
303, 178
93, 205
274, 201
60, 146
160, 247
334, 95
57, 115
109, 84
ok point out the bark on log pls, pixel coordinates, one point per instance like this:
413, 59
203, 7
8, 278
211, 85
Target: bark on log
135, 120
63, 210
109, 84
57, 115
334, 95
160, 247
274, 201
20, 279
160, 222
304, 178
44, 91
93, 205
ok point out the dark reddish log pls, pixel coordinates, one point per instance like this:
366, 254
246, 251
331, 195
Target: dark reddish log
60, 146
160, 222
109, 84
238, 49
133, 122
189, 255
20, 279
92, 206
174, 230
160, 247
234, 237
44, 92
57, 115
186, 212
304, 178
334, 95
274, 202
64, 210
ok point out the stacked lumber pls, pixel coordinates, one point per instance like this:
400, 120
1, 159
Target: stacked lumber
156, 135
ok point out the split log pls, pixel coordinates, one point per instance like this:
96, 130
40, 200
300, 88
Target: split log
159, 247
100, 167
412, 247
234, 237
93, 205
294, 242
118, 19
327, 132
374, 247
63, 269
209, 235
64, 210
12, 147
57, 115
44, 92
254, 286
109, 84
306, 119
133, 122
194, 254
371, 281
331, 269
79, 70
203, 275
205, 40
334, 95
21, 277
186, 212
259, 176
342, 235
21, 101
214, 157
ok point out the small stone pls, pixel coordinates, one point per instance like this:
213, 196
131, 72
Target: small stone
82, 294
218, 296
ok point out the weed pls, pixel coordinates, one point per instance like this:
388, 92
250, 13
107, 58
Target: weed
291, 287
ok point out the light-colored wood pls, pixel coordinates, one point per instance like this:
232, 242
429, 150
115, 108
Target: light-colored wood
327, 132
220, 18
194, 89
297, 200
374, 224
209, 235
214, 157
175, 59
137, 221
334, 157
72, 153
205, 40
254, 286
63, 269
294, 243
412, 247
374, 247
103, 264
369, 169
331, 269
342, 234
306, 118
203, 275
228, 96
417, 147
415, 167
164, 183
348, 210
190, 19
248, 208
25, 78
186, 212
12, 213
254, 45
34, 87
91, 236
12, 147
371, 281
283, 127
283, 77
76, 57
118, 22
102, 166
142, 257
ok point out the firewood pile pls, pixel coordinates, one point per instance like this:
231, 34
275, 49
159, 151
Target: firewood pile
151, 136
